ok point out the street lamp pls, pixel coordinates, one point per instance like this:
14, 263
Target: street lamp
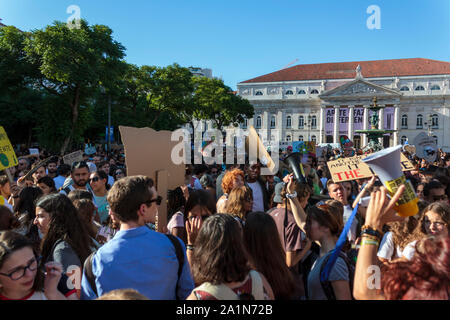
108, 139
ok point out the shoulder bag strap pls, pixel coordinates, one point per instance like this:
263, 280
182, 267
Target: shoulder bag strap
180, 257
89, 274
220, 292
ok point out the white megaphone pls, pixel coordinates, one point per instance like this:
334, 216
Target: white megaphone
386, 165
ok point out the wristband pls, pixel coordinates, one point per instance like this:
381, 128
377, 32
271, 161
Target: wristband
291, 195
371, 231
370, 242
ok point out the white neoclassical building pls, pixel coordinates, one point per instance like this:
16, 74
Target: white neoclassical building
321, 102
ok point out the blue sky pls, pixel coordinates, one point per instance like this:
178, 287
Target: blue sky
240, 40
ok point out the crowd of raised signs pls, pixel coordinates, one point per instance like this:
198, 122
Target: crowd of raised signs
87, 231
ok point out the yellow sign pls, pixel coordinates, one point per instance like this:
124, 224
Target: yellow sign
8, 157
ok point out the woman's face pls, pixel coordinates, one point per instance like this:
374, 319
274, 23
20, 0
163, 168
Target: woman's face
420, 192
96, 182
314, 231
434, 225
119, 174
19, 283
6, 189
199, 211
238, 182
45, 188
42, 220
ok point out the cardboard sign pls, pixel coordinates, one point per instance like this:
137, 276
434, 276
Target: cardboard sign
346, 169
73, 157
304, 147
426, 147
8, 157
90, 150
265, 158
34, 151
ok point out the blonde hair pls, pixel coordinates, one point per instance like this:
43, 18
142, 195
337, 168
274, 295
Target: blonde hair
123, 294
236, 199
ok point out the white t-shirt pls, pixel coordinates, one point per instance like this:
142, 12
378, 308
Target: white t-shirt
389, 251
36, 295
258, 199
176, 221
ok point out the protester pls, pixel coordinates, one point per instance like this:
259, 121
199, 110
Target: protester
435, 191
119, 174
87, 210
7, 219
39, 173
436, 220
260, 194
52, 167
240, 203
5, 192
199, 171
105, 166
20, 275
99, 185
232, 179
136, 249
25, 212
63, 172
267, 256
176, 202
80, 178
47, 185
220, 267
123, 294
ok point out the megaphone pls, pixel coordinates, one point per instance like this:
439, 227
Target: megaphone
294, 161
386, 165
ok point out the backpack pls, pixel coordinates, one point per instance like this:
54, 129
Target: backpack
326, 285
223, 292
178, 250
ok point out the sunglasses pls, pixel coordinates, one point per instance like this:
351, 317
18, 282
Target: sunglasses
157, 200
95, 179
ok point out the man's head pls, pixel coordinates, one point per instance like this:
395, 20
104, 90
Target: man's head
24, 164
80, 174
253, 171
200, 170
434, 191
134, 199
337, 192
39, 173
52, 166
64, 170
104, 166
97, 160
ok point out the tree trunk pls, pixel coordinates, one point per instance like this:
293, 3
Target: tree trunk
74, 107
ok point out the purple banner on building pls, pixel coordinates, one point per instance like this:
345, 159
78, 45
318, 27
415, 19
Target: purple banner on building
344, 113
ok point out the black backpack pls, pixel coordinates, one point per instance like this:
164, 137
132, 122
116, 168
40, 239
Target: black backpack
178, 250
326, 285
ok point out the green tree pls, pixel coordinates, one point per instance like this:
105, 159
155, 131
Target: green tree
73, 63
213, 100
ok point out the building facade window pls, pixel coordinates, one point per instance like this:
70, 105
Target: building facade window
245, 124
420, 88
288, 138
288, 122
289, 92
301, 91
419, 124
404, 139
435, 87
404, 88
435, 121
313, 122
313, 139
258, 93
314, 91
258, 122
436, 139
404, 121
300, 138
272, 122
301, 122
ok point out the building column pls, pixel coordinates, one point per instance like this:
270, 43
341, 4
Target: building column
336, 125
280, 124
396, 123
381, 124
351, 122
322, 125
365, 127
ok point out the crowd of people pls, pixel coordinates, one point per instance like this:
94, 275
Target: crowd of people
88, 231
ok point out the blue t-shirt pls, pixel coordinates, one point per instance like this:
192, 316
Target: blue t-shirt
143, 260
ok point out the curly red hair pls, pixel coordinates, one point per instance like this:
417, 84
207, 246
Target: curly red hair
426, 277
229, 178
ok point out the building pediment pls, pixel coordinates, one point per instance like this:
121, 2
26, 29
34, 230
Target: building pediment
360, 89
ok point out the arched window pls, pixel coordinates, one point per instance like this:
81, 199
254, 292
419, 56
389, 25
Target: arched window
435, 121
258, 93
404, 121
245, 124
300, 138
404, 88
420, 88
435, 87
258, 122
404, 139
314, 91
301, 122
272, 122
436, 139
419, 124
288, 122
301, 91
288, 138
313, 139
313, 122
289, 92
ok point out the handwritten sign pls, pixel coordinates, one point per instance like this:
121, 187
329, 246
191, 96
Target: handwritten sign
304, 147
353, 168
8, 157
73, 157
